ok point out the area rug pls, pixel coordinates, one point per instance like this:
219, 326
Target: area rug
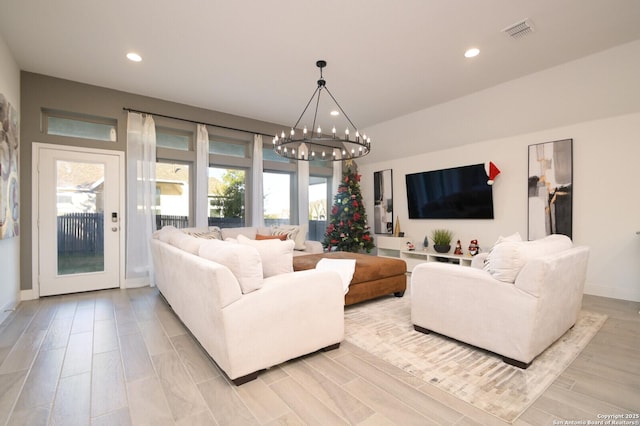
383, 328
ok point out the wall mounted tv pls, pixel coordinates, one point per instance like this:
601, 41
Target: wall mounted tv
456, 193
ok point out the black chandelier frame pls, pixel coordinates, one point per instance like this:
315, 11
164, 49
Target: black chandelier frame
316, 146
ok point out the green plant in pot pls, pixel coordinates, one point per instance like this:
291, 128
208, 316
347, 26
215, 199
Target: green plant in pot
442, 240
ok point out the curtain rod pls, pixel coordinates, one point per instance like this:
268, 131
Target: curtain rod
196, 122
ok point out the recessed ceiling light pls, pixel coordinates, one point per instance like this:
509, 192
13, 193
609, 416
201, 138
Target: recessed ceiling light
472, 53
334, 113
134, 57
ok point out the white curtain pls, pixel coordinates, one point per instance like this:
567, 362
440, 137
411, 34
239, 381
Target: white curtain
335, 181
257, 202
202, 176
141, 192
303, 193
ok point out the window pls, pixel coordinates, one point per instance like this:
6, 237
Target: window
268, 154
172, 194
173, 139
277, 198
79, 126
318, 207
226, 196
231, 149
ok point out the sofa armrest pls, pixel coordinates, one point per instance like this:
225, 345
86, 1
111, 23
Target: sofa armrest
291, 315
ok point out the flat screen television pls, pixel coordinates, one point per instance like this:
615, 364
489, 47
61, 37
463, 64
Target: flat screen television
456, 193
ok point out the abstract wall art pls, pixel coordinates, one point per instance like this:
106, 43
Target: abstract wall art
9, 178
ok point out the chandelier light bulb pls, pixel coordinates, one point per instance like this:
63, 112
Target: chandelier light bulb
304, 130
319, 130
293, 132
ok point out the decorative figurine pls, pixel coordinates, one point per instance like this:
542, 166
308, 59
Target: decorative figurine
410, 246
425, 243
474, 248
458, 249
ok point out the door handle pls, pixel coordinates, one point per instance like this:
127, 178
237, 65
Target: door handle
114, 229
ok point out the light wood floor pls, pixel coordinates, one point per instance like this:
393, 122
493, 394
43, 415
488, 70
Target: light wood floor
121, 357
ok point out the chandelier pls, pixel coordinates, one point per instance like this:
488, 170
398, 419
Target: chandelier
314, 145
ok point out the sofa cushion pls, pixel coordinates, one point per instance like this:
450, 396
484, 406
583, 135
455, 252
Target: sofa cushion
276, 255
293, 232
243, 261
247, 231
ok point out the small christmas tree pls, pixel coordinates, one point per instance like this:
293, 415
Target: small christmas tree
348, 229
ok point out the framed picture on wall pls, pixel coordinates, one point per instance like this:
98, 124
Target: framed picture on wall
550, 192
383, 205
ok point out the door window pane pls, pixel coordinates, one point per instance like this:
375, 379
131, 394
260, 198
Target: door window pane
317, 207
226, 195
277, 198
172, 194
80, 217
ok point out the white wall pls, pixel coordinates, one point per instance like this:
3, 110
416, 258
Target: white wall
606, 204
9, 248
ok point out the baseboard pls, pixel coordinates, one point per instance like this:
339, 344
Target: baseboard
28, 294
8, 309
632, 295
136, 282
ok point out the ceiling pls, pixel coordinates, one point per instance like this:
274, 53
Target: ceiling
257, 58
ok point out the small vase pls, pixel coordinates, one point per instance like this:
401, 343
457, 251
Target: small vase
425, 243
442, 248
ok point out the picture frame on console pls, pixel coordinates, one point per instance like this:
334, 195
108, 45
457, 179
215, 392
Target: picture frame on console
550, 189
383, 196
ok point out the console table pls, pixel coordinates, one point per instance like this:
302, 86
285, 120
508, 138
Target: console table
415, 257
397, 247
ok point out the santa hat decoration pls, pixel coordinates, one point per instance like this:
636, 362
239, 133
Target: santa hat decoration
492, 171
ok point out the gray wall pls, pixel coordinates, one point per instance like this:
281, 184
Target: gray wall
43, 92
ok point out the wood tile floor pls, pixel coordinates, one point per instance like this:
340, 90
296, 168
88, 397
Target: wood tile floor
120, 357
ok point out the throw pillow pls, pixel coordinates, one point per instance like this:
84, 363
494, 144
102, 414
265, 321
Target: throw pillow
276, 255
271, 237
243, 261
504, 261
293, 232
212, 233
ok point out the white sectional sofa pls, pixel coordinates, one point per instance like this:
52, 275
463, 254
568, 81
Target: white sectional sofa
515, 300
243, 302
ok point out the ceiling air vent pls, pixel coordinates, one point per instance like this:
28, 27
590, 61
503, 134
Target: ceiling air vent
519, 29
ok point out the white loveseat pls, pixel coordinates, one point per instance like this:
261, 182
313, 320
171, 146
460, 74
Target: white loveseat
514, 301
246, 315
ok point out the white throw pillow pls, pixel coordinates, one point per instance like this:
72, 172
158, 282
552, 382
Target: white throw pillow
512, 238
506, 258
243, 261
276, 255
164, 233
247, 231
190, 244
293, 232
504, 261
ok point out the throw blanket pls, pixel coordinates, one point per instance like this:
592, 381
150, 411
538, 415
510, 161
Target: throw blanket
344, 267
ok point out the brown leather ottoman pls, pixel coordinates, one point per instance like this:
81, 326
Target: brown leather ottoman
374, 276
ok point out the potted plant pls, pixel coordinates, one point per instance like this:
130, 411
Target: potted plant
442, 240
